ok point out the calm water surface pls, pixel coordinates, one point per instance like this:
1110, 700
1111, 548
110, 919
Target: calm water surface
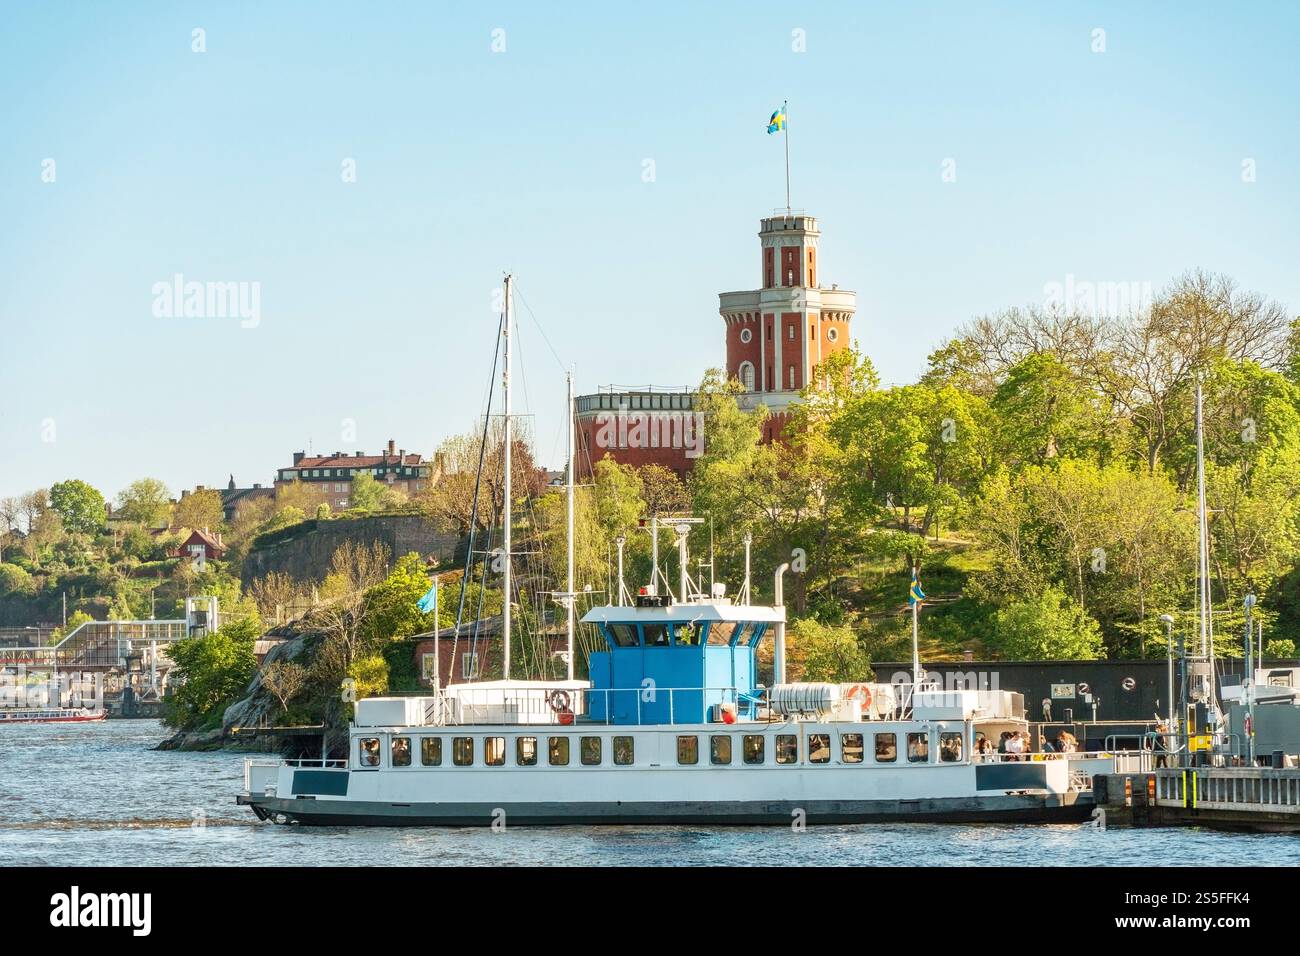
97, 794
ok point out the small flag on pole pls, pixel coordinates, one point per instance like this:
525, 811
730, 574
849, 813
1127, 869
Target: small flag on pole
777, 122
430, 600
915, 596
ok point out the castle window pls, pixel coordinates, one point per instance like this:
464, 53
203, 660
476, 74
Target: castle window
792, 376
746, 376
746, 335
832, 334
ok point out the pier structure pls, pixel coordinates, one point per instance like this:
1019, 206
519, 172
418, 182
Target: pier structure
1235, 798
125, 660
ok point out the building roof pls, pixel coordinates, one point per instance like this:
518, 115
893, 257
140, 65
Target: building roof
356, 461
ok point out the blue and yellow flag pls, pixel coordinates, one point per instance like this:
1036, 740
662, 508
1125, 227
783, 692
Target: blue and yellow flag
915, 596
777, 122
430, 600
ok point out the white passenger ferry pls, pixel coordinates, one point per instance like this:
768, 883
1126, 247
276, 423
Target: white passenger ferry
673, 726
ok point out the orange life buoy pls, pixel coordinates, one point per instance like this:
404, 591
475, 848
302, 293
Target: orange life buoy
862, 692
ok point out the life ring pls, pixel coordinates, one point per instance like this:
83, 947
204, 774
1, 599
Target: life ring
559, 701
862, 692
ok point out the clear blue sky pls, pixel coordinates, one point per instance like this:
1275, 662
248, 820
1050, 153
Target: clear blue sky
376, 295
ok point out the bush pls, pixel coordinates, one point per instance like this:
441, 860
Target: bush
15, 580
1049, 627
820, 652
1280, 647
211, 673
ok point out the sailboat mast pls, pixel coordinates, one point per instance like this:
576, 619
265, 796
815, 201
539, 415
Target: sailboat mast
1203, 552
569, 522
505, 534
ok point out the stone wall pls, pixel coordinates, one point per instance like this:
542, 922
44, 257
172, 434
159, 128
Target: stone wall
306, 554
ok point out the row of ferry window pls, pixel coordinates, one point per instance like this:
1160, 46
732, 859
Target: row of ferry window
753, 750
671, 634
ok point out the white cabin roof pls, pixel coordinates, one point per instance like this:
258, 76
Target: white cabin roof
701, 611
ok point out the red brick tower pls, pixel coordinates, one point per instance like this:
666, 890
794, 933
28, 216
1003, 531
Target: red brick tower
777, 335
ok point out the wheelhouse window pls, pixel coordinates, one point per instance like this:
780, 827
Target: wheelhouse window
918, 748
886, 748
431, 751
688, 749
656, 635
589, 751
368, 751
401, 751
950, 748
526, 751
819, 748
688, 634
557, 751
624, 752
720, 632
494, 751
720, 749
787, 748
851, 748
462, 751
624, 635
754, 748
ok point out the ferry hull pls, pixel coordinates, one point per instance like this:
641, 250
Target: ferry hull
1001, 808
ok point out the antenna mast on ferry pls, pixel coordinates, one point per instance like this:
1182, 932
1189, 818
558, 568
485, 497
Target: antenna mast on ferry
568, 494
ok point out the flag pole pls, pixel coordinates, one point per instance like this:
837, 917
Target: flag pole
916, 643
785, 112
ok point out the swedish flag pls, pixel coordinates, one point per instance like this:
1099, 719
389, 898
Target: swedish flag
777, 122
915, 596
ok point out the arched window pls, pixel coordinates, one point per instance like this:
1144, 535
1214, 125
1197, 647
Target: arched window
746, 375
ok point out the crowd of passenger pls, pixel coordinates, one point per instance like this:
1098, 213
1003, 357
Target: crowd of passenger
1017, 745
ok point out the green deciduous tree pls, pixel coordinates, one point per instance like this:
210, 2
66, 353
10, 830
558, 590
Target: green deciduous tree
79, 505
146, 501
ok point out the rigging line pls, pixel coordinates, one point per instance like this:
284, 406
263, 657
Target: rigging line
478, 478
538, 323
482, 590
